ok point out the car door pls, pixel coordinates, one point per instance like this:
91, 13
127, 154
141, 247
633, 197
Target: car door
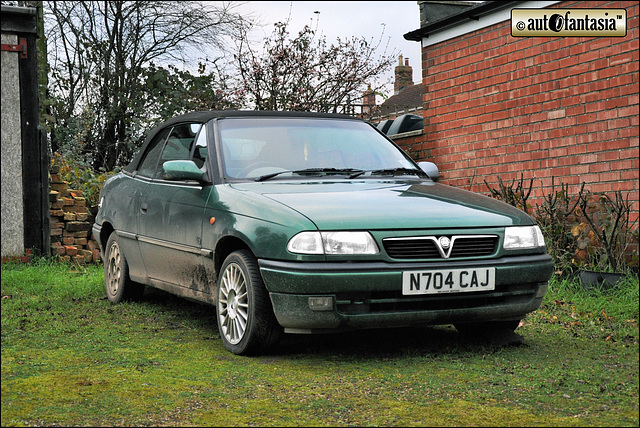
127, 216
172, 214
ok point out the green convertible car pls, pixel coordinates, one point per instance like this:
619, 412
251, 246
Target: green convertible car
305, 223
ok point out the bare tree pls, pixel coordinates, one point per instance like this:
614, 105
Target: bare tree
100, 51
306, 73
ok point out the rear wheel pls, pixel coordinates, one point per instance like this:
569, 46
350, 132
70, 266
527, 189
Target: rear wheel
487, 327
117, 283
246, 321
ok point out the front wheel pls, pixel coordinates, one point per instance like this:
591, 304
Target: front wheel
117, 283
246, 321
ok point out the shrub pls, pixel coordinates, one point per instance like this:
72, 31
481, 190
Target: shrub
514, 194
609, 234
582, 231
82, 177
556, 217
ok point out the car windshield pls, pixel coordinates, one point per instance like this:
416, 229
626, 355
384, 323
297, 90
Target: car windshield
263, 148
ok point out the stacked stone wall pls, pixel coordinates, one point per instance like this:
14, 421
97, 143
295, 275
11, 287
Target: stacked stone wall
70, 223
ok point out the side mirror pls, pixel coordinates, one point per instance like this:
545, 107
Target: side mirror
181, 170
430, 169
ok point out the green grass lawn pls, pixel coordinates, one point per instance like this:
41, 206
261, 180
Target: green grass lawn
69, 357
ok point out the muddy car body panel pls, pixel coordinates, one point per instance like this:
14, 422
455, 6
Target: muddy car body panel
304, 223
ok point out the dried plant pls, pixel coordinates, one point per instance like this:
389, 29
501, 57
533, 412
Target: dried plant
556, 217
514, 194
585, 230
608, 221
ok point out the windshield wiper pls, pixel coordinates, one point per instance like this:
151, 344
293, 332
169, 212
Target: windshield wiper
311, 171
388, 171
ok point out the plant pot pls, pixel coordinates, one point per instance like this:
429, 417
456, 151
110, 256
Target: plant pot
599, 280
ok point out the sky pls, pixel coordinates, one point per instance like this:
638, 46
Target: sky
345, 19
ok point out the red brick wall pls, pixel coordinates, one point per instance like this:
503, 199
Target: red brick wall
416, 146
502, 106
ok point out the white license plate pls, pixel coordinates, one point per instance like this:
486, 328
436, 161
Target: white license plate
448, 281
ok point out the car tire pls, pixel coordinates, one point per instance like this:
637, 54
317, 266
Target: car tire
117, 283
487, 328
245, 317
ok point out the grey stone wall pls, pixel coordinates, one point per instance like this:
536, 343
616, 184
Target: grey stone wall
11, 155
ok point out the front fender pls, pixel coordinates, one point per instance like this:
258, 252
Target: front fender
263, 224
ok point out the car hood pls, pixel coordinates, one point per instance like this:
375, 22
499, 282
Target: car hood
369, 204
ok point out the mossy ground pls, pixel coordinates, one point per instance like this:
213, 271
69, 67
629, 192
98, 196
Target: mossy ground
69, 357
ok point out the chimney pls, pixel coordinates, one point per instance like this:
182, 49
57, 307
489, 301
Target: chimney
404, 75
368, 100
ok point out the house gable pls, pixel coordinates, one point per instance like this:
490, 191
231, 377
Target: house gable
552, 109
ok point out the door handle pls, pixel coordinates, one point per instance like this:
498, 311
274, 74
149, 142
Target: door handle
143, 207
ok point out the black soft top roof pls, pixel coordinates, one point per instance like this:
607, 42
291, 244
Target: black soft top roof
205, 116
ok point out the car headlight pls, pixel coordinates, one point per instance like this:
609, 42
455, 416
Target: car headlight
333, 243
522, 237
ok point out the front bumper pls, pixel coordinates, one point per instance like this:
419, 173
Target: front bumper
368, 295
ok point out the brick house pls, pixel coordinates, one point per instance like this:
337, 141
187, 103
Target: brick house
405, 104
407, 96
542, 107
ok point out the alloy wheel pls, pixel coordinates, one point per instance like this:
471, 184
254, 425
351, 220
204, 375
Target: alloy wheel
114, 268
233, 304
